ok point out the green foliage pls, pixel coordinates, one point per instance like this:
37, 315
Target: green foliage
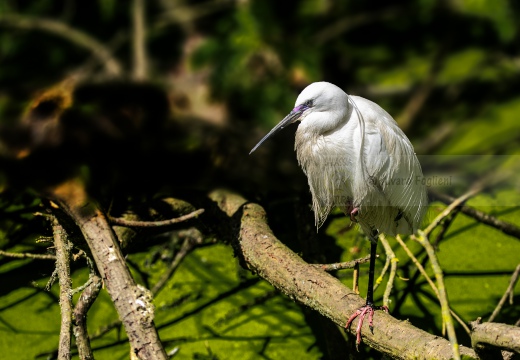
211, 307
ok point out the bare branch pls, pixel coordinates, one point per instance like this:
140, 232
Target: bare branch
390, 256
345, 24
457, 202
140, 57
488, 334
508, 293
443, 297
132, 302
419, 97
265, 255
190, 242
77, 37
149, 224
27, 255
445, 224
63, 247
85, 301
505, 227
429, 280
342, 265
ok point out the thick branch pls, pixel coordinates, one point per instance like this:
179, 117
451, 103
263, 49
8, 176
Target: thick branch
62, 245
269, 258
132, 302
503, 336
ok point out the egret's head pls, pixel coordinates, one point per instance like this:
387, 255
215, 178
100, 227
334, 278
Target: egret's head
318, 97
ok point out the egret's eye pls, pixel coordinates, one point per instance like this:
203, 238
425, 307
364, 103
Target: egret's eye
308, 103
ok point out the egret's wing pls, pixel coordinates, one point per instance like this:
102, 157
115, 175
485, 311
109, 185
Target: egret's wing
397, 198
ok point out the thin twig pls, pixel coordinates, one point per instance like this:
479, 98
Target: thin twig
445, 309
63, 266
393, 269
140, 68
80, 38
191, 241
85, 301
52, 279
457, 202
504, 226
27, 255
429, 280
420, 95
342, 265
355, 279
508, 293
113, 325
345, 24
149, 224
379, 280
445, 226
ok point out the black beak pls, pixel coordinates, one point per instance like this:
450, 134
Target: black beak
289, 119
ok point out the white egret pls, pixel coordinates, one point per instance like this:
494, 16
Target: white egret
357, 158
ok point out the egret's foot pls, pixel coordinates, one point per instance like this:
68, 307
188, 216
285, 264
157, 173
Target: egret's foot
362, 312
353, 214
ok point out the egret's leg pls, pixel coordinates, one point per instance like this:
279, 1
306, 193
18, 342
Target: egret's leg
371, 271
369, 308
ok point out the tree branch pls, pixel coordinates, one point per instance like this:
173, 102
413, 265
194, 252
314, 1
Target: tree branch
393, 260
443, 296
140, 69
192, 239
27, 255
503, 336
420, 268
505, 227
455, 203
507, 294
79, 38
150, 224
342, 265
265, 255
85, 301
63, 246
132, 302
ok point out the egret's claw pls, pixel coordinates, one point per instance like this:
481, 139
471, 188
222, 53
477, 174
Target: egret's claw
362, 313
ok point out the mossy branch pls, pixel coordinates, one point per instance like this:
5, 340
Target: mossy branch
261, 252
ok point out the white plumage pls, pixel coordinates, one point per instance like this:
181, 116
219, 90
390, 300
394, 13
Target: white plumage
357, 158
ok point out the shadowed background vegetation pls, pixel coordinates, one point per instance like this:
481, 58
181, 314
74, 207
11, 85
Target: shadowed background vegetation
75, 100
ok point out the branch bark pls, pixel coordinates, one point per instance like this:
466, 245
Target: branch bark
265, 255
501, 336
62, 245
132, 302
86, 299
